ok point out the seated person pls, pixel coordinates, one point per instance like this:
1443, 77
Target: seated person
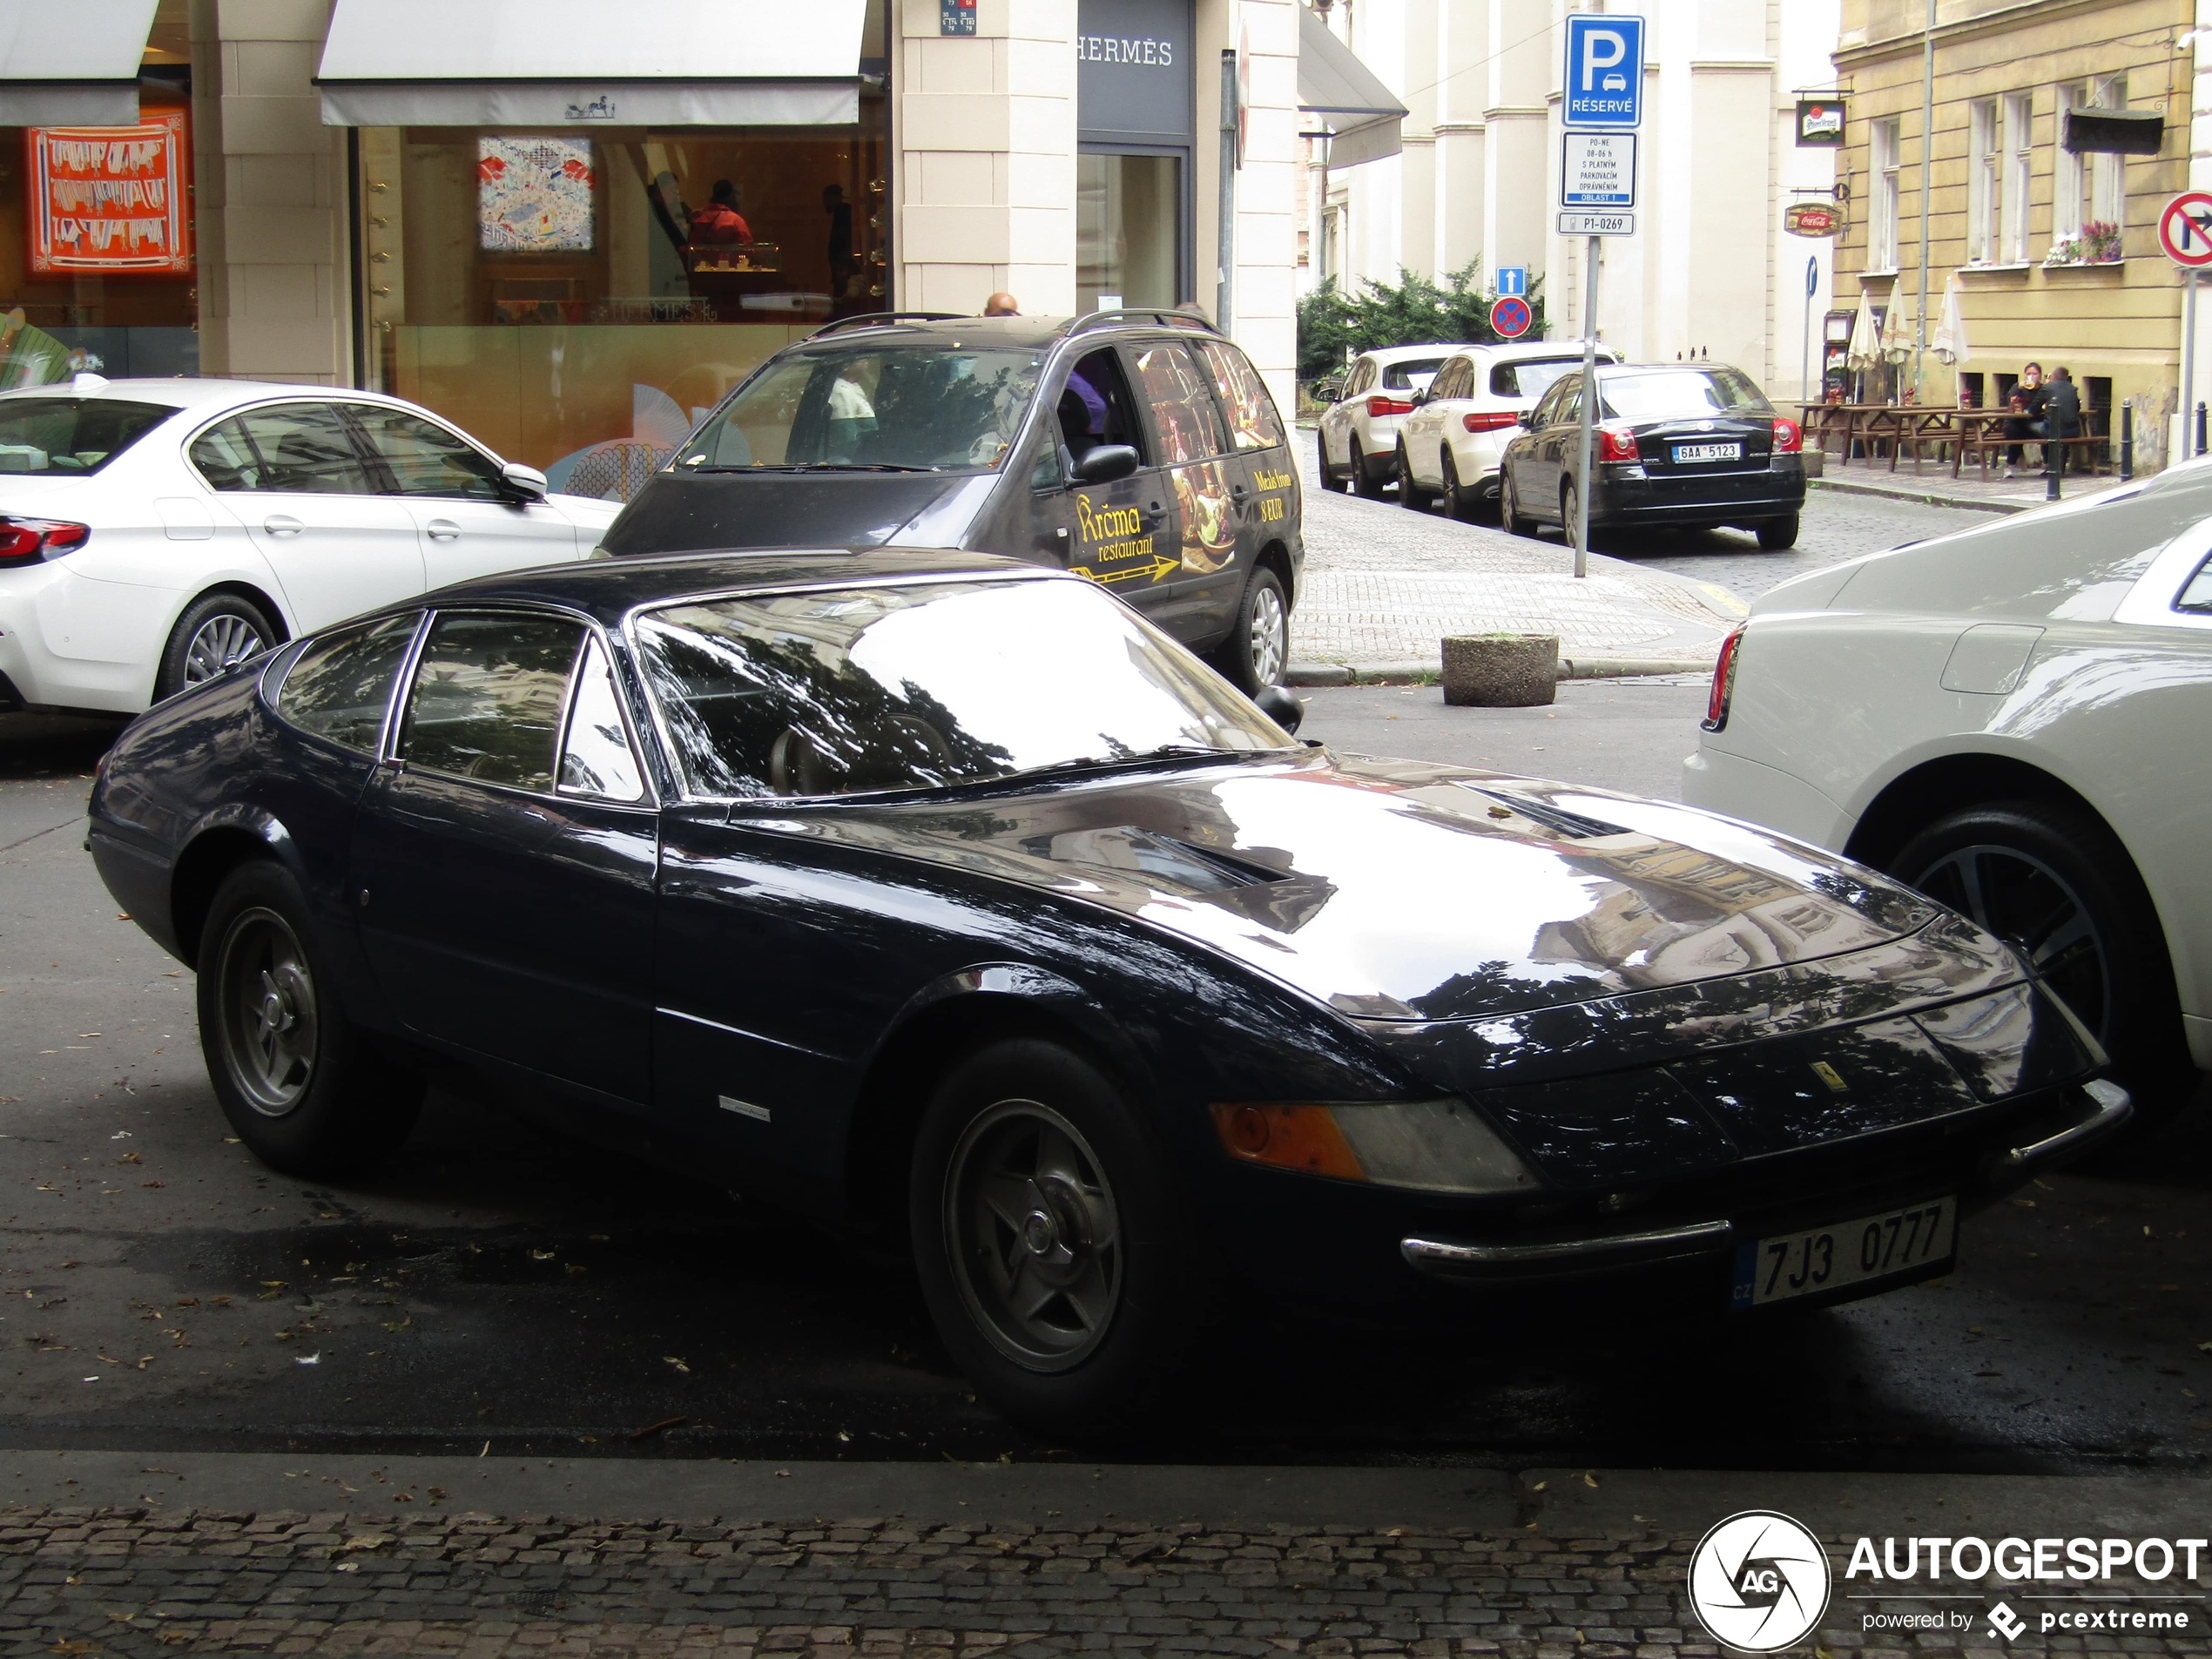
1082, 416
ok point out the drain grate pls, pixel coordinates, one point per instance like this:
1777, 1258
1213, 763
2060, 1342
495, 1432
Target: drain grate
541, 1602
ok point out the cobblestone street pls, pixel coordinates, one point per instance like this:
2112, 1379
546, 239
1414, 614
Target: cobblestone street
132, 1582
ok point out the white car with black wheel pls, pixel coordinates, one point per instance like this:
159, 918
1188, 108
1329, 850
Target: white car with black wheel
1452, 446
1358, 432
2012, 720
153, 532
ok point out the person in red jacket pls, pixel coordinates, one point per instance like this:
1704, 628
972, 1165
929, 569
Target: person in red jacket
720, 222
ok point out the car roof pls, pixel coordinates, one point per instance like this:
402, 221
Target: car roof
1040, 332
1388, 354
185, 392
609, 589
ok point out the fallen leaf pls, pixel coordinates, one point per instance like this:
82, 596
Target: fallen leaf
154, 1183
540, 1255
1590, 1477
671, 1360
315, 1358
129, 1157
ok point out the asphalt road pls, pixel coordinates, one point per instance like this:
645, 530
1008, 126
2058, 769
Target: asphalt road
503, 1287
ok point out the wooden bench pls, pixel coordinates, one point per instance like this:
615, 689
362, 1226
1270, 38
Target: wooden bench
1985, 437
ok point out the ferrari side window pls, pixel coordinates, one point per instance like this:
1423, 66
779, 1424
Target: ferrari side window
339, 687
487, 697
596, 759
2198, 595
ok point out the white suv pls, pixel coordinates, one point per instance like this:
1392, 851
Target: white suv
1454, 442
1359, 432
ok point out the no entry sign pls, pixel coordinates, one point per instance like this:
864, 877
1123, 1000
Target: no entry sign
1510, 316
2185, 230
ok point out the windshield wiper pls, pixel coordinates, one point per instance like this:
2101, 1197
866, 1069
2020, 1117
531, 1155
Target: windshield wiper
1164, 752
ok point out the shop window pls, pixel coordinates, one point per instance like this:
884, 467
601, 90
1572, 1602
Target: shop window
579, 300
1881, 248
1129, 231
2019, 109
1984, 197
97, 262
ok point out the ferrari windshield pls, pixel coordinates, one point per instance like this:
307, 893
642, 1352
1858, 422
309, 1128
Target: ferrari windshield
905, 408
923, 685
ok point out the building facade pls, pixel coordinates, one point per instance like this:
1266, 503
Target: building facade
1710, 271
571, 226
2054, 245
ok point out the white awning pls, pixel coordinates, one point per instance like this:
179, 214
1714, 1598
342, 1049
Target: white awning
1357, 108
73, 64
567, 63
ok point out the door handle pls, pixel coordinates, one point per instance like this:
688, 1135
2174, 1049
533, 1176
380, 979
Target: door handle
282, 524
444, 529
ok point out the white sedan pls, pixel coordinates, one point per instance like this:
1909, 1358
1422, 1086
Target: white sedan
1358, 432
152, 532
2013, 720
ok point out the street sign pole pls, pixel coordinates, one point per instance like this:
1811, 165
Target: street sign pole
1804, 350
2185, 234
1590, 412
2189, 360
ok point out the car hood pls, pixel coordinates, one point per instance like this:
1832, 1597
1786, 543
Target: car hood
1403, 891
681, 512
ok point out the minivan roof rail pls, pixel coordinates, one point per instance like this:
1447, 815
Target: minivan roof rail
870, 318
1140, 313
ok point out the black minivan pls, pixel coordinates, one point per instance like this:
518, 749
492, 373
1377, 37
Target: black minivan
1137, 447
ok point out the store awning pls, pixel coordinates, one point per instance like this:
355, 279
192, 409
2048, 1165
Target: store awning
570, 62
72, 64
1353, 105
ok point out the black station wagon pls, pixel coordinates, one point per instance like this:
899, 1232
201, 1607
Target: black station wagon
1137, 447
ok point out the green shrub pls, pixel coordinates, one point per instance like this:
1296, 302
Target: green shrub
1333, 325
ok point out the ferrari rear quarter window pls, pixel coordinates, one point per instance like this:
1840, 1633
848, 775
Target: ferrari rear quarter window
341, 685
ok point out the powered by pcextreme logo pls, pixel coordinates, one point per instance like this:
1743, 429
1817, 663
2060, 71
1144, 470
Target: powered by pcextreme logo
2162, 1597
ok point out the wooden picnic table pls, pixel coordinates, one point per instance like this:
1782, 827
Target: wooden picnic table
1891, 424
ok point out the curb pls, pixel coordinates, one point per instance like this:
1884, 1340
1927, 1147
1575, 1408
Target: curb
1570, 668
1899, 492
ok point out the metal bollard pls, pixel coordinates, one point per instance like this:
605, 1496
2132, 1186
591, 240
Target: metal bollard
2200, 429
2127, 442
2053, 452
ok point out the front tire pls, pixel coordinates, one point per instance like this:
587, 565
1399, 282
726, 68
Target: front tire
215, 632
296, 1079
1054, 1245
1509, 514
1364, 485
1259, 646
1777, 534
2054, 882
1410, 493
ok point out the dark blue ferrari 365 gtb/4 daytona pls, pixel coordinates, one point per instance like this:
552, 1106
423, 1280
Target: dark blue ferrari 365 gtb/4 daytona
944, 895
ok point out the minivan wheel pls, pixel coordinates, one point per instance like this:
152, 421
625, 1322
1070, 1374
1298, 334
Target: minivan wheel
2052, 881
1259, 646
1055, 1251
300, 1086
1364, 482
214, 633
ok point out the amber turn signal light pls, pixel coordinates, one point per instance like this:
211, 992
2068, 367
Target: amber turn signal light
1287, 1137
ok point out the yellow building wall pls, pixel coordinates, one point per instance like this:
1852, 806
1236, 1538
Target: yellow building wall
2121, 320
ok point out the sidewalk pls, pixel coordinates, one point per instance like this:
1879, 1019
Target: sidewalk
1936, 486
887, 1561
1384, 585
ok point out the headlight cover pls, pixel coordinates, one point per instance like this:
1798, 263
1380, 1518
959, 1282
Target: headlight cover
1425, 1146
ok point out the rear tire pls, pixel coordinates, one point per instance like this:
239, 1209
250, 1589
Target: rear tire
1364, 485
2054, 882
1777, 534
1569, 501
215, 631
1409, 494
1259, 646
298, 1081
1056, 1247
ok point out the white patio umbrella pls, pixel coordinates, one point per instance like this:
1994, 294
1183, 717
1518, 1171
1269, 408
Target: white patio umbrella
1950, 341
1898, 330
1863, 350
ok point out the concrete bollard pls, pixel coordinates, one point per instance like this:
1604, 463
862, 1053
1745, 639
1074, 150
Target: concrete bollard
1501, 670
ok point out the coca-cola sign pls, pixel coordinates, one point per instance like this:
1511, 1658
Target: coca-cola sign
1814, 218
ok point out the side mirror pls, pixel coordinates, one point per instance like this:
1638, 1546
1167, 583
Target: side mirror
524, 483
1328, 391
1106, 463
1279, 705
1527, 417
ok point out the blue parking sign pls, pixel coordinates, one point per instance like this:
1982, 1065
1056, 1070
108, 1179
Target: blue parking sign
1604, 80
